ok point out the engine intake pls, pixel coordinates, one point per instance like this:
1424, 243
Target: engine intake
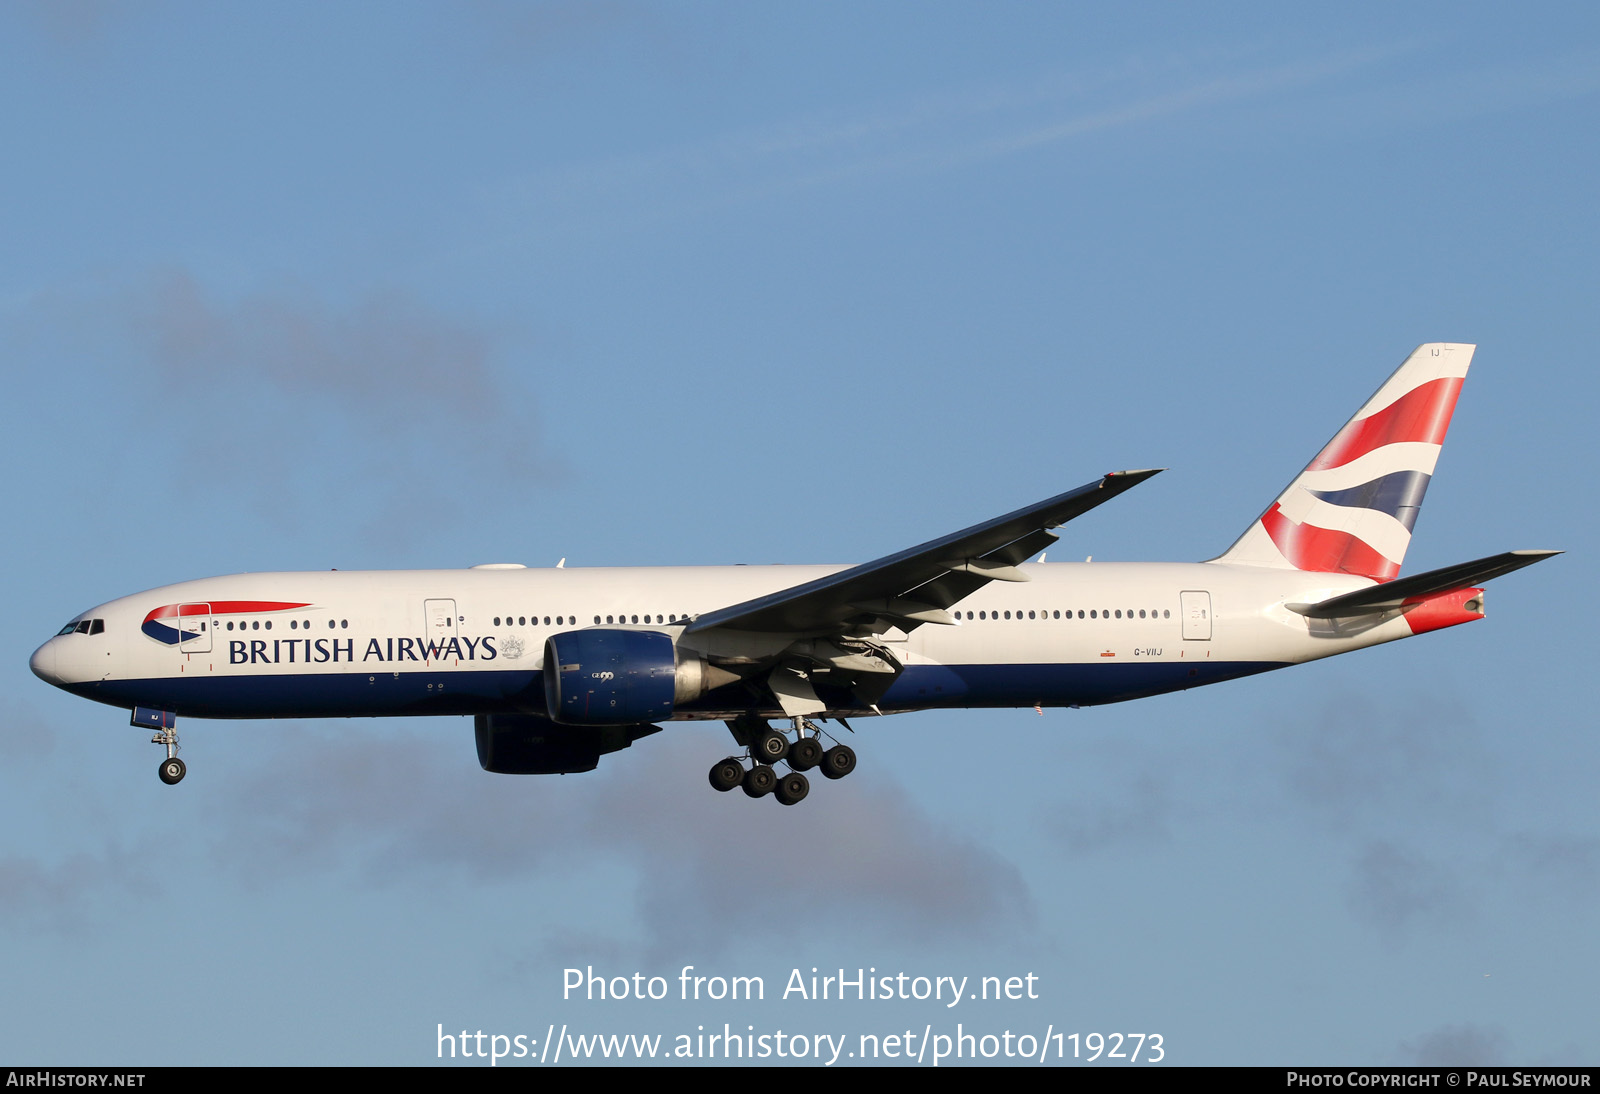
606, 676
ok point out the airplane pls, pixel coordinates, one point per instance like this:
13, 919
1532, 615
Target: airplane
560, 666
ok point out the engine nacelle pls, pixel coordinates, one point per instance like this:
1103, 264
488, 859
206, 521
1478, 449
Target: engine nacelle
609, 677
525, 744
600, 676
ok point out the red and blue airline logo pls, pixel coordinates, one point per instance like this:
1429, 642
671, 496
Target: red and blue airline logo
1388, 438
168, 635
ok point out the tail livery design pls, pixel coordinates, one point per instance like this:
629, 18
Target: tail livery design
1352, 509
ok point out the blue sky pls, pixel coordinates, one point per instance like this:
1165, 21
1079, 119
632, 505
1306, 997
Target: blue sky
388, 286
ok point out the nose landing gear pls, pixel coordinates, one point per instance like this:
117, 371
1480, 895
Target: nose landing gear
172, 769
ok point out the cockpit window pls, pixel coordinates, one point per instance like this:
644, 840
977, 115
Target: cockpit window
68, 629
83, 626
97, 626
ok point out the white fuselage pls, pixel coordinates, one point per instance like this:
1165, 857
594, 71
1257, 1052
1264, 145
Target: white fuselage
472, 641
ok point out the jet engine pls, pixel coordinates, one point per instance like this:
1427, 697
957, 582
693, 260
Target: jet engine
526, 744
601, 676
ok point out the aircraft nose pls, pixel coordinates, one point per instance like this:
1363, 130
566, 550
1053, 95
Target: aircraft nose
43, 663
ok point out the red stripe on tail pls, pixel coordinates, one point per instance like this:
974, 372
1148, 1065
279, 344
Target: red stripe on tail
1421, 414
1308, 547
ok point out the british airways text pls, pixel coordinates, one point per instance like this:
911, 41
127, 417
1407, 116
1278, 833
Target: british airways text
310, 651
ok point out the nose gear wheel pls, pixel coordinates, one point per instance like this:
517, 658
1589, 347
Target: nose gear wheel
172, 769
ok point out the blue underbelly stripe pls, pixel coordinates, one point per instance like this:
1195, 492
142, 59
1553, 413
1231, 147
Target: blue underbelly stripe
919, 687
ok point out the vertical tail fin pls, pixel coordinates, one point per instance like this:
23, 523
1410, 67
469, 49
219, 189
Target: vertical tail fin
1352, 509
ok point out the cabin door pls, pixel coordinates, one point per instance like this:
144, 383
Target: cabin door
440, 618
1196, 615
194, 628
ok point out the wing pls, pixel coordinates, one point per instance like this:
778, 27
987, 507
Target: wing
915, 586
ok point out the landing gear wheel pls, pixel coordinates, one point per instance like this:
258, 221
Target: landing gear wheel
769, 746
759, 781
838, 761
172, 771
727, 774
805, 754
793, 788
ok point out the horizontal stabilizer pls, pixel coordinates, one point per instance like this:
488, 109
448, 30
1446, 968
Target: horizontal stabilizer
1393, 594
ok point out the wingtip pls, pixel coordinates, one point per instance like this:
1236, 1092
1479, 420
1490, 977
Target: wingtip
1142, 473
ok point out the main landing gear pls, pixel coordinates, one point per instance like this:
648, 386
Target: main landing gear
769, 746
